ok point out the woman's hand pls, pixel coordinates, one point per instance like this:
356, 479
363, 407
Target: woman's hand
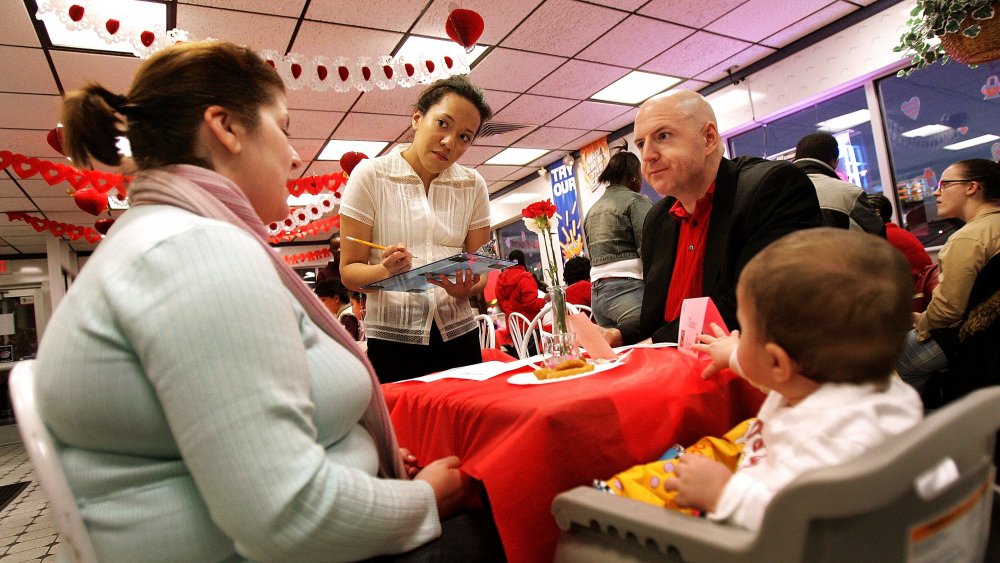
720, 347
410, 463
463, 287
453, 490
397, 259
698, 481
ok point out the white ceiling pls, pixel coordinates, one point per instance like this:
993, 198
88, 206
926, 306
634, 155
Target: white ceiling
545, 59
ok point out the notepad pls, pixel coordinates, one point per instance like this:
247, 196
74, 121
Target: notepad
415, 280
697, 316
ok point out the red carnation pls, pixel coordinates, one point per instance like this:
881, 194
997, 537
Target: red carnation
538, 209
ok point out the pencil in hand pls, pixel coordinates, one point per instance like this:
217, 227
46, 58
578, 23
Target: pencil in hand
370, 244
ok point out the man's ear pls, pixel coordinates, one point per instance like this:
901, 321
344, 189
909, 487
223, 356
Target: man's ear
782, 366
223, 128
712, 138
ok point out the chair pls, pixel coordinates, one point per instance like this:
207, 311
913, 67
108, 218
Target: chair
41, 450
518, 324
585, 309
487, 332
866, 510
535, 328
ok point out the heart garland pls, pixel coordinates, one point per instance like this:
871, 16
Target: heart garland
308, 229
53, 173
73, 232
319, 73
308, 256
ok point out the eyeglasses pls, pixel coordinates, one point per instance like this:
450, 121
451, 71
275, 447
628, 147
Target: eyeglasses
942, 184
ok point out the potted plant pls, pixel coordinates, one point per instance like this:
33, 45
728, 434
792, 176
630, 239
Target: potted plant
967, 31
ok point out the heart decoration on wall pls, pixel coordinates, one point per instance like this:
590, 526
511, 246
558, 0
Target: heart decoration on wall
464, 27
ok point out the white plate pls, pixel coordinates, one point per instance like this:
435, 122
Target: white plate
528, 378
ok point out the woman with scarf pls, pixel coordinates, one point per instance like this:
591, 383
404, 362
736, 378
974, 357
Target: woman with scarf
206, 404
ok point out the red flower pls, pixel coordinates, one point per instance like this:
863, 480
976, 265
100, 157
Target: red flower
539, 209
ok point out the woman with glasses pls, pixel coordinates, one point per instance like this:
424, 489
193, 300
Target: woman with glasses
969, 190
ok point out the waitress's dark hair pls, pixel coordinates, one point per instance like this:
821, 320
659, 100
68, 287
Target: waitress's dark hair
623, 169
461, 86
985, 172
163, 108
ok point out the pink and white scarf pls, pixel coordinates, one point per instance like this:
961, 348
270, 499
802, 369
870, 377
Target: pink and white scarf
209, 194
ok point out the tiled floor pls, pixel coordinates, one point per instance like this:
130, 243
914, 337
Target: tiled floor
26, 531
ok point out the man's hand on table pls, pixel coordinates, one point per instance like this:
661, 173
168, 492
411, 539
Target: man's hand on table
454, 491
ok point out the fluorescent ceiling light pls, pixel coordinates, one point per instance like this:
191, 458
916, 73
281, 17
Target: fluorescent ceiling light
846, 121
141, 15
926, 130
517, 157
971, 142
415, 47
336, 148
635, 87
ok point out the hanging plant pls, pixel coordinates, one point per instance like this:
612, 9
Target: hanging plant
939, 30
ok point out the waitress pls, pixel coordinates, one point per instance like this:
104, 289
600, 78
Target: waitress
418, 200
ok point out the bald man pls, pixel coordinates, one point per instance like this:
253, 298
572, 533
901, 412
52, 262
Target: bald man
716, 213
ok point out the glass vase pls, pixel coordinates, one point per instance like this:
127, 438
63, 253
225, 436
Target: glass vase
558, 348
557, 297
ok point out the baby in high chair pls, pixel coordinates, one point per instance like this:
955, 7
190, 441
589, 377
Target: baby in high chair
824, 314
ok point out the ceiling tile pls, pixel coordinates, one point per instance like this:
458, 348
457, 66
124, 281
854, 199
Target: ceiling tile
491, 172
322, 101
332, 41
476, 155
534, 110
322, 167
740, 60
499, 17
563, 27
624, 120
29, 111
20, 203
30, 142
32, 248
307, 149
17, 228
56, 202
809, 24
311, 124
589, 115
584, 140
627, 5
695, 54
372, 127
629, 43
579, 79
16, 26
515, 71
504, 139
26, 70
284, 8
549, 137
499, 100
258, 31
114, 72
395, 15
38, 189
398, 101
744, 22
692, 13
9, 189
498, 185
78, 217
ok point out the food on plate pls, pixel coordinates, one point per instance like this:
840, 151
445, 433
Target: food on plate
564, 369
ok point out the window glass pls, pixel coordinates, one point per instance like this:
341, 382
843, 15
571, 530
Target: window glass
937, 116
516, 236
846, 117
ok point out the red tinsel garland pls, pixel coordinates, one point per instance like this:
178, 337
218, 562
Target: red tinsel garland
73, 232
311, 256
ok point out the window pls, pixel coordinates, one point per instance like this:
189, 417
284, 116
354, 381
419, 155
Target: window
937, 116
846, 117
516, 236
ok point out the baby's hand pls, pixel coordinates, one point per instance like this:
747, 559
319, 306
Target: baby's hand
698, 481
720, 347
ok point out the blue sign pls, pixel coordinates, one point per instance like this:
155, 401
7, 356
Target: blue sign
565, 199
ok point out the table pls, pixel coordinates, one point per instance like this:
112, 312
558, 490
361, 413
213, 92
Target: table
527, 443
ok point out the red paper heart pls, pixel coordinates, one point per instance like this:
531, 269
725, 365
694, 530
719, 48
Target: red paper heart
51, 174
112, 26
409, 69
387, 70
147, 38
350, 160
344, 73
448, 61
366, 72
25, 167
76, 12
321, 72
430, 66
102, 225
296, 70
6, 157
54, 139
91, 200
464, 27
270, 62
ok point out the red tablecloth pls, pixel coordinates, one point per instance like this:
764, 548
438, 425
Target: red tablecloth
527, 443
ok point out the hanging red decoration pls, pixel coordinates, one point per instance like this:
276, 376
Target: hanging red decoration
309, 229
464, 27
72, 232
351, 159
311, 256
102, 225
112, 26
76, 12
91, 201
55, 138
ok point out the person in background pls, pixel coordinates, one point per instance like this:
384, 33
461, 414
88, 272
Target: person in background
968, 190
842, 204
715, 216
418, 197
185, 319
332, 268
576, 274
517, 289
827, 363
904, 240
337, 300
358, 312
613, 231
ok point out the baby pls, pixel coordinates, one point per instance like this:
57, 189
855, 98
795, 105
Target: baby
824, 314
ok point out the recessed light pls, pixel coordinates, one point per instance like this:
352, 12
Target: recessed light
415, 47
846, 121
137, 13
635, 87
971, 142
926, 130
516, 156
336, 148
